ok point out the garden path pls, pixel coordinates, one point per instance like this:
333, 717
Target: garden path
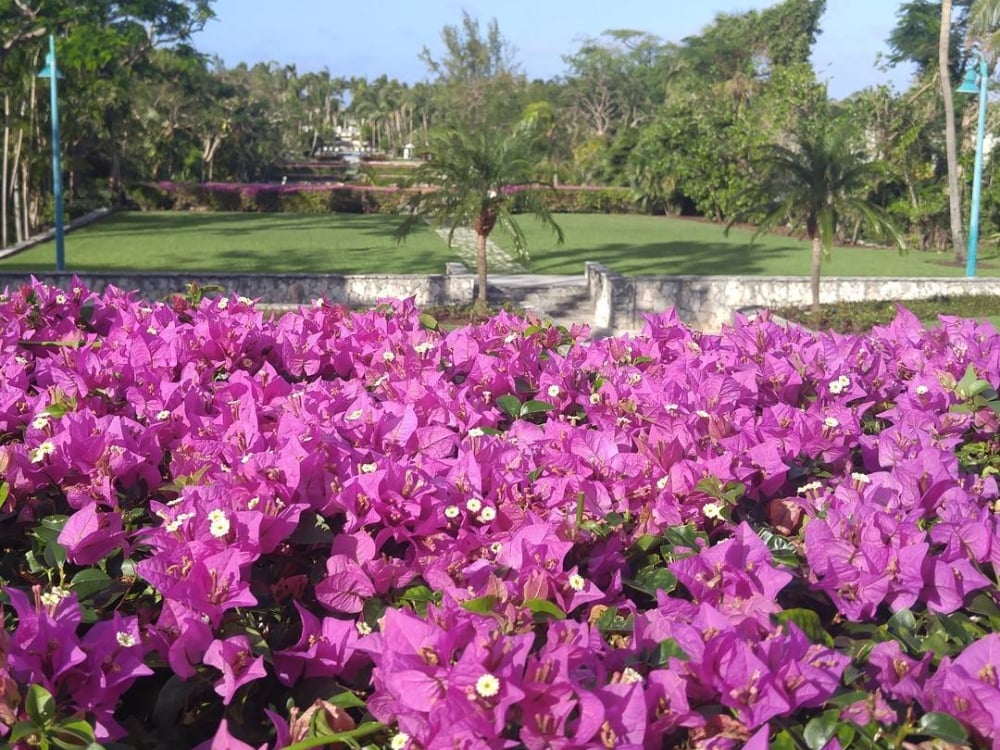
464, 242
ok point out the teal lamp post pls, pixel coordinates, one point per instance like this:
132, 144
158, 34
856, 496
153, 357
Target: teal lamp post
976, 78
52, 73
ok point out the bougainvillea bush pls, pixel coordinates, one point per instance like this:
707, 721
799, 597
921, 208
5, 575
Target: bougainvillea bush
225, 530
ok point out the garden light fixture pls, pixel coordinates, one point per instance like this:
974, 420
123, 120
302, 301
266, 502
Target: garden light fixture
976, 78
51, 72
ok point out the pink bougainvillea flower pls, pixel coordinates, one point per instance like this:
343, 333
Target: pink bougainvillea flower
323, 649
234, 658
90, 535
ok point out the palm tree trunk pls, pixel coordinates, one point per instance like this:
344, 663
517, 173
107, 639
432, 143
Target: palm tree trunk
817, 263
951, 148
481, 305
3, 178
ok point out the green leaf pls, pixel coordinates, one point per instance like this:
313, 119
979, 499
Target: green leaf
808, 622
821, 729
418, 596
535, 407
983, 604
40, 705
902, 621
846, 699
646, 543
88, 582
846, 733
87, 312
19, 731
783, 741
654, 578
942, 726
373, 609
545, 607
615, 519
429, 322
970, 385
510, 405
683, 536
72, 734
347, 699
781, 549
664, 652
481, 604
611, 622
960, 628
363, 730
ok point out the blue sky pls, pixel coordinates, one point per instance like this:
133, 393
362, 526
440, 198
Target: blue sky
386, 36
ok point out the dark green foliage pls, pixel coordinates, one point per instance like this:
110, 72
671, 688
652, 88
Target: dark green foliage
858, 317
915, 36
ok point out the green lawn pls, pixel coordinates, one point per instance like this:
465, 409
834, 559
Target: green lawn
175, 241
661, 245
349, 243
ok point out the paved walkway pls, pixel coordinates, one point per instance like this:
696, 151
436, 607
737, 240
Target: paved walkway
464, 243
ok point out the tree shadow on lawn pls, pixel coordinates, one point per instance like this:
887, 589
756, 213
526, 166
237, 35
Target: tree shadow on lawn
235, 224
367, 260
670, 258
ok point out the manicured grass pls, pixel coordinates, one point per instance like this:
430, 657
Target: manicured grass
349, 243
175, 241
662, 245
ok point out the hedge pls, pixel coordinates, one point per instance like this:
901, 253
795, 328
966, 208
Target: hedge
321, 199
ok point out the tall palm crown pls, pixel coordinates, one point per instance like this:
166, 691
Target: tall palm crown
812, 183
477, 179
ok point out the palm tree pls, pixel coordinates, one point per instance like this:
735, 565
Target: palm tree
815, 181
951, 148
473, 178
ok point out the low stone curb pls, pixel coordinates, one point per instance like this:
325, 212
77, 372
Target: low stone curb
49, 234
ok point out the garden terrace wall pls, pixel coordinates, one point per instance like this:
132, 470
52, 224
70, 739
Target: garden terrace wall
288, 288
709, 302
616, 303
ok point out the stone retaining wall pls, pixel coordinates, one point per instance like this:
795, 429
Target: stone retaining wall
709, 302
281, 289
616, 304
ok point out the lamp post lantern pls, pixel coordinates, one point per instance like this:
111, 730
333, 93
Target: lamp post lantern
976, 78
51, 72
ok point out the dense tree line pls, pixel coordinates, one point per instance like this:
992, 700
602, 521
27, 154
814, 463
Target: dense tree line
685, 125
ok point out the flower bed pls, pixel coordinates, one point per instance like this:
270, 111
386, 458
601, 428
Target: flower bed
226, 531
322, 198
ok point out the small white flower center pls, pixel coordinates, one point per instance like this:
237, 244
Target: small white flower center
712, 510
488, 685
219, 526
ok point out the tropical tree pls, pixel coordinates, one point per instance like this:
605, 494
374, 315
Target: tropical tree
951, 147
475, 178
814, 182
